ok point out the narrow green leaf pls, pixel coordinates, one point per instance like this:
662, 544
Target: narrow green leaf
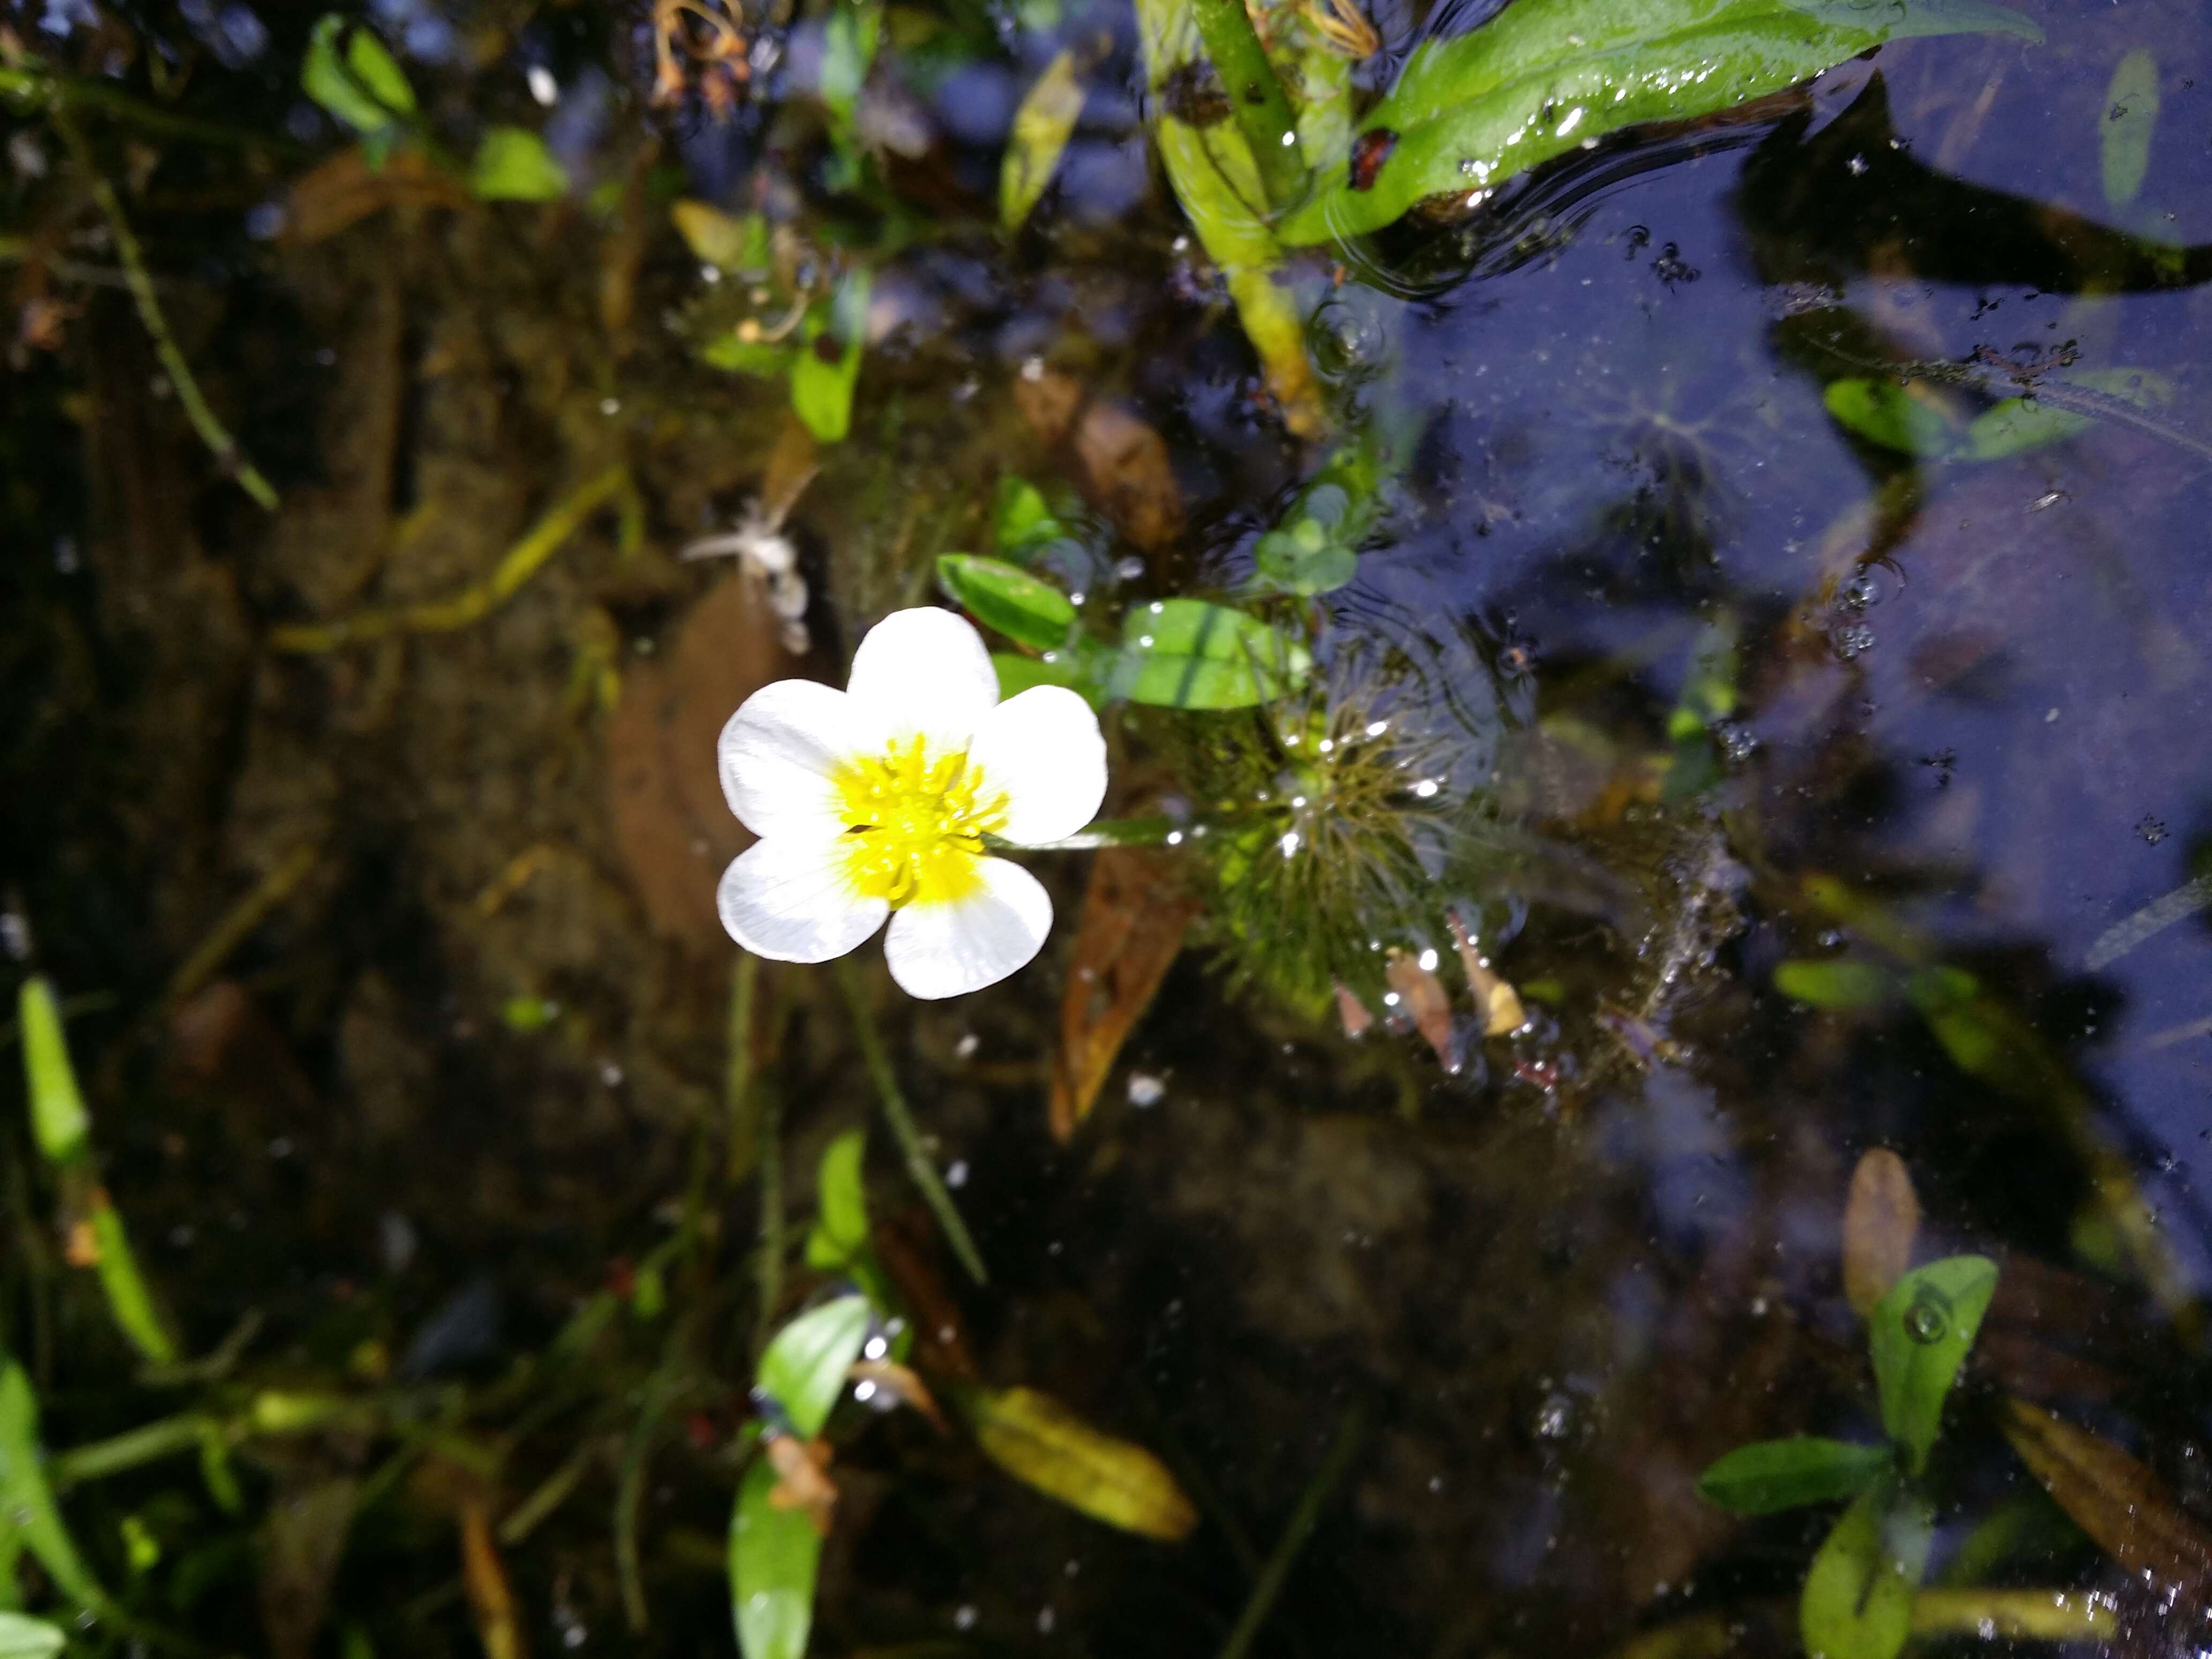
1858, 1594
1919, 1335
1544, 76
127, 1299
58, 1119
1834, 982
1782, 1475
748, 356
775, 1554
376, 70
2130, 114
24, 1637
26, 1503
848, 47
739, 245
1886, 413
1007, 597
828, 366
1043, 126
513, 165
803, 1369
1187, 653
840, 1224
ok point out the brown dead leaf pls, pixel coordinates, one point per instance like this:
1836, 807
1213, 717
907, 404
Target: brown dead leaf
343, 191
1121, 464
902, 1385
2117, 1501
802, 1479
1352, 1013
1496, 1001
1881, 1220
940, 1342
299, 1545
1135, 917
1422, 1000
675, 830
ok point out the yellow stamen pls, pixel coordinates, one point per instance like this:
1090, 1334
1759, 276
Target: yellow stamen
915, 824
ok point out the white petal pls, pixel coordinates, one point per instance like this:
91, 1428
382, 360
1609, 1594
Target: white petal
924, 670
950, 949
1042, 747
777, 753
788, 900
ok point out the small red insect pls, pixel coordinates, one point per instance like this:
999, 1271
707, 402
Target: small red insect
1368, 151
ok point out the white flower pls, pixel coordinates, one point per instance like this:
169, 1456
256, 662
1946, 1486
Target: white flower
875, 800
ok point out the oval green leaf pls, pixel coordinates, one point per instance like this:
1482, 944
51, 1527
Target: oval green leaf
824, 372
774, 1555
1919, 1335
1007, 597
840, 1225
2123, 137
1782, 1475
803, 1369
362, 87
513, 165
1858, 1595
1892, 415
1020, 521
1044, 1445
1544, 76
1834, 982
1187, 653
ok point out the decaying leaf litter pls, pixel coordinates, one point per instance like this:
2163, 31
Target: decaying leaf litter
1727, 628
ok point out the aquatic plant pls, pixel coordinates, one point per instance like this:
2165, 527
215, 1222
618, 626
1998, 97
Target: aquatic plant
881, 799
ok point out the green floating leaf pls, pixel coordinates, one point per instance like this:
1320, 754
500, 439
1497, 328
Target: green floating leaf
59, 1120
26, 1503
1187, 653
840, 1222
1919, 1335
1007, 597
1834, 982
1895, 416
1017, 674
1043, 1444
2130, 113
775, 1554
825, 370
24, 1637
513, 165
1544, 76
1020, 522
1782, 1475
1308, 556
1858, 1594
362, 86
2029, 423
1043, 126
803, 1369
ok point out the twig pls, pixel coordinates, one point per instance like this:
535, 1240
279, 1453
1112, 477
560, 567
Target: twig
1303, 1520
237, 925
1256, 93
217, 436
918, 1164
472, 603
31, 85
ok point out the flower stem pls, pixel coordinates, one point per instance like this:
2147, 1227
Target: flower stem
1256, 93
213, 432
918, 1164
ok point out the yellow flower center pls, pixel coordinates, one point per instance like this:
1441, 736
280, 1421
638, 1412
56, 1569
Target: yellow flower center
914, 823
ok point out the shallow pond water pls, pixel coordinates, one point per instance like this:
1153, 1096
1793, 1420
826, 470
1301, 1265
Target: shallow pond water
1817, 767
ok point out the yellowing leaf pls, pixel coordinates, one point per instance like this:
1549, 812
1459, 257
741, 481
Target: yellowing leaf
1043, 1444
720, 239
1043, 126
513, 165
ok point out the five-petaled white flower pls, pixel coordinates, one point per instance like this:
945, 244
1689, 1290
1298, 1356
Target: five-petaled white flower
876, 799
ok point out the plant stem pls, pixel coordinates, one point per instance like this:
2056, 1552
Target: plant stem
738, 1069
769, 1125
1304, 1519
1256, 93
213, 432
918, 1164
